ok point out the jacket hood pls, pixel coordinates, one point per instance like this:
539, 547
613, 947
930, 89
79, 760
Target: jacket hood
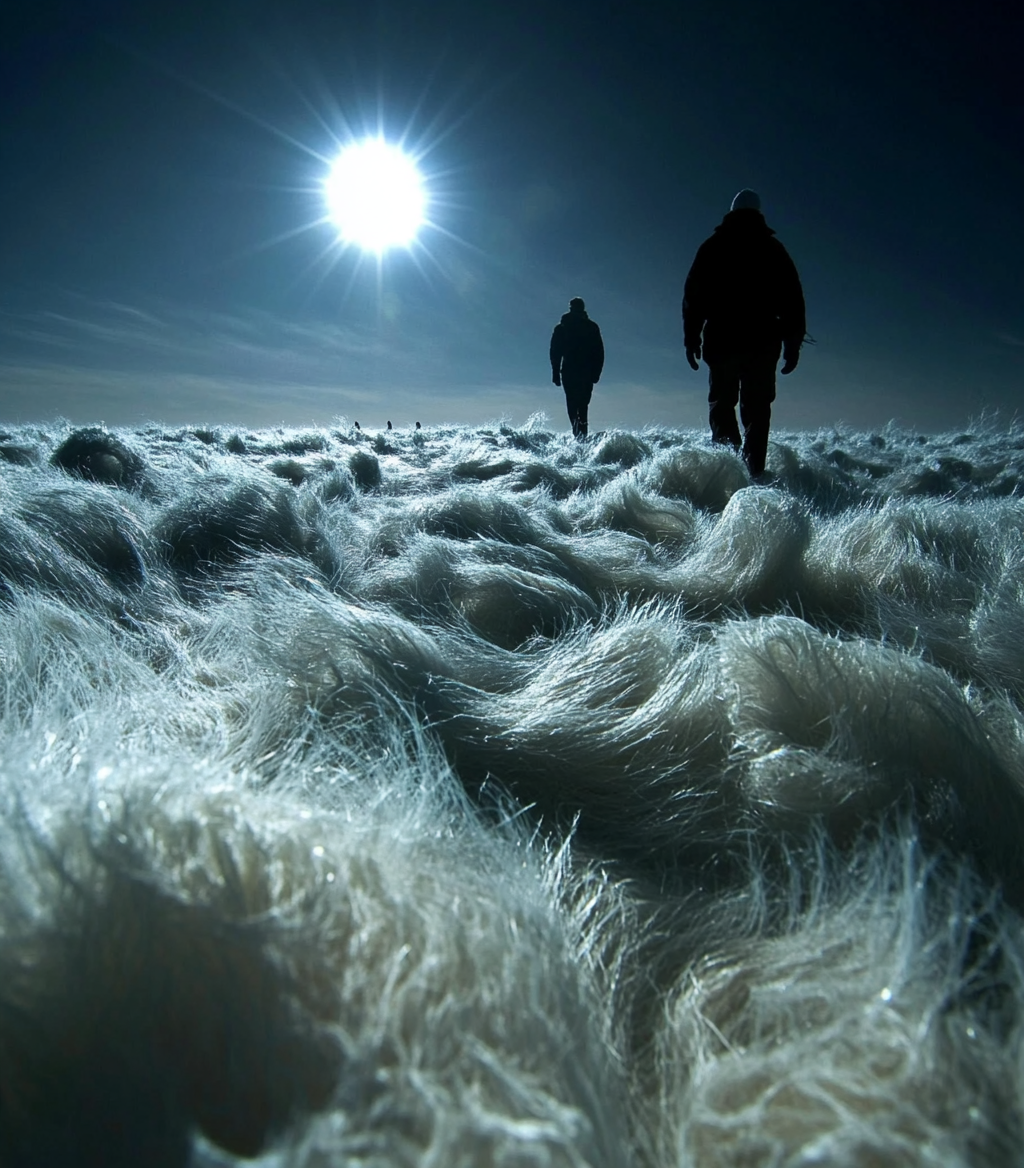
574, 315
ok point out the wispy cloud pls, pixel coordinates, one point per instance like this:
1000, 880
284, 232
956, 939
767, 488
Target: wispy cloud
33, 393
119, 335
127, 363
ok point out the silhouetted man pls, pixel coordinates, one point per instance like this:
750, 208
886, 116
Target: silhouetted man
744, 303
577, 358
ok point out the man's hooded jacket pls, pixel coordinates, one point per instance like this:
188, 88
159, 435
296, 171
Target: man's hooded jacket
577, 350
743, 292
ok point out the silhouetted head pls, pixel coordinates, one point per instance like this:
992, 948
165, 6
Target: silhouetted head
576, 304
746, 200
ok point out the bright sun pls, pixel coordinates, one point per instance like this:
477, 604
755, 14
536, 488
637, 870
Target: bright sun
375, 196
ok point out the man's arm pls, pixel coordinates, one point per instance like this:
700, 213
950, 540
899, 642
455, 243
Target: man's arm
555, 353
598, 354
694, 310
793, 314
792, 310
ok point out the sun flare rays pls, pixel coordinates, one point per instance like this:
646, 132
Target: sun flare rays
375, 196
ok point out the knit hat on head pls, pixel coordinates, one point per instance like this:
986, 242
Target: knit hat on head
577, 303
746, 200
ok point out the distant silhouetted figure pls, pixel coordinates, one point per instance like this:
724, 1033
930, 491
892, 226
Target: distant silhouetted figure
418, 426
357, 426
577, 358
389, 423
743, 300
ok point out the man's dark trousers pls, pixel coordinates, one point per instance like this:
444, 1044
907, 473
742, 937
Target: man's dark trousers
751, 382
577, 399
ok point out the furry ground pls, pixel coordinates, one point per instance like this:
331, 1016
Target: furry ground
480, 797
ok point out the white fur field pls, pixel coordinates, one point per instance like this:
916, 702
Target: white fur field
472, 797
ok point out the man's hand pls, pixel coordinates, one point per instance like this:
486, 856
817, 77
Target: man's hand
693, 355
556, 377
789, 360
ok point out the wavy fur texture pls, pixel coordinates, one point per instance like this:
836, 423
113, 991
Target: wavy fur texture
479, 797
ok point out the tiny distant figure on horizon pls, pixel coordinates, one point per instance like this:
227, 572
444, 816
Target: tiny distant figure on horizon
390, 427
743, 306
577, 358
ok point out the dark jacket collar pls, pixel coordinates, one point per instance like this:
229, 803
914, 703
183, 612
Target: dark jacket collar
746, 219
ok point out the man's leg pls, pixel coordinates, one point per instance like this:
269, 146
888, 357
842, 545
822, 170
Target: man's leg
577, 399
757, 392
724, 392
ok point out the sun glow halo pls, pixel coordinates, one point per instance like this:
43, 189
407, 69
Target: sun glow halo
375, 196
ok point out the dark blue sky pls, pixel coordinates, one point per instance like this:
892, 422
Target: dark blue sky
160, 163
